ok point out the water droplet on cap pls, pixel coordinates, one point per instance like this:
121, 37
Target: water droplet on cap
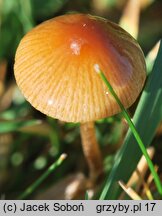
97, 68
75, 47
50, 102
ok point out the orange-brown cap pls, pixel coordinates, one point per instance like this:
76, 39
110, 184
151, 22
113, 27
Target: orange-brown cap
54, 67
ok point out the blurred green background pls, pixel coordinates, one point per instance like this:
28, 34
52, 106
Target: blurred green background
31, 141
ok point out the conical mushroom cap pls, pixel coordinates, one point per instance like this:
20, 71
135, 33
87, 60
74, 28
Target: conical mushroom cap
54, 67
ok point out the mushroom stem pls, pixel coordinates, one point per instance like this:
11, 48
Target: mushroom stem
91, 150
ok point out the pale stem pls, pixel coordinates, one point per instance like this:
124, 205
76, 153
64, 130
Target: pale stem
91, 150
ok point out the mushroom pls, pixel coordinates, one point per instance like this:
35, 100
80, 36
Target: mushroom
54, 68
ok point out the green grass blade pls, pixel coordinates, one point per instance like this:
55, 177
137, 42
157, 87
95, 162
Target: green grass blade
86, 195
135, 133
146, 119
34, 186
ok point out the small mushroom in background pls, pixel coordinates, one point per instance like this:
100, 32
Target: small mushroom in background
54, 68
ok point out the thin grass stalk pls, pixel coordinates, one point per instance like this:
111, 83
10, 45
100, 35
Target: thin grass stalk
34, 186
133, 129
